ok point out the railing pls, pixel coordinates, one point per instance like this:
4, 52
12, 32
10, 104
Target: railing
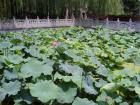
42, 23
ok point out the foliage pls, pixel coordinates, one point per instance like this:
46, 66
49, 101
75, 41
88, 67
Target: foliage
69, 66
132, 7
59, 8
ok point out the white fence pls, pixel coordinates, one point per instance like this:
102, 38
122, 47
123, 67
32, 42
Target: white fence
42, 23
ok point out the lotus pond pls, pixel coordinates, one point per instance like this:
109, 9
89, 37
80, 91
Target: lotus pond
70, 66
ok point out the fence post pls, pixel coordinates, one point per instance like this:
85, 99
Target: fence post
48, 18
37, 19
14, 22
57, 18
73, 19
118, 23
26, 22
57, 22
66, 18
97, 22
48, 21
130, 23
107, 22
65, 22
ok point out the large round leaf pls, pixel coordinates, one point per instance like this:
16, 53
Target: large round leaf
137, 61
72, 69
44, 91
35, 68
76, 72
11, 88
137, 90
2, 94
66, 93
110, 87
85, 101
15, 59
88, 86
77, 79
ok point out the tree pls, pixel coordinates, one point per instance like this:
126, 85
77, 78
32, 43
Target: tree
64, 8
132, 7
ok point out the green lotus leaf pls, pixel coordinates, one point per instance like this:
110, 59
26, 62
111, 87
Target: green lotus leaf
126, 82
72, 69
16, 40
102, 70
44, 91
5, 44
125, 72
107, 98
61, 77
137, 90
70, 66
115, 49
77, 79
85, 101
110, 87
137, 61
124, 103
35, 68
19, 47
1, 64
73, 54
136, 103
15, 59
24, 96
2, 94
67, 93
33, 51
100, 83
76, 72
11, 88
10, 75
88, 86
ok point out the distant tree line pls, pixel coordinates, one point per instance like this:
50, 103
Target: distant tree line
67, 8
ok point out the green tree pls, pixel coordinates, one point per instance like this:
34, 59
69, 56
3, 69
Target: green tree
61, 8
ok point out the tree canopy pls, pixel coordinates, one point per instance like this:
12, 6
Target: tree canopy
66, 8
